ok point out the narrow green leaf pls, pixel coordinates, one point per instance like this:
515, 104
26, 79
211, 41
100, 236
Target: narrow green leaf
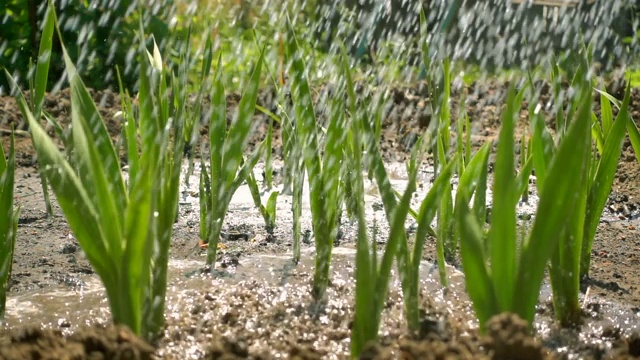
478, 279
255, 192
428, 211
606, 114
205, 202
272, 201
8, 227
268, 157
269, 114
96, 160
502, 234
426, 57
240, 128
396, 235
522, 179
243, 173
130, 131
634, 136
566, 169
603, 180
542, 149
72, 197
474, 178
597, 133
136, 255
207, 60
44, 59
217, 133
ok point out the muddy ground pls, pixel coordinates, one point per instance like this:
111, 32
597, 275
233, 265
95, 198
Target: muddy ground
218, 319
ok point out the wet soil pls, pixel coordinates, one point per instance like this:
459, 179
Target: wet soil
253, 319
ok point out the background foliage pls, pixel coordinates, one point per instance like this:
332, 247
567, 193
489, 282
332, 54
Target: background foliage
99, 35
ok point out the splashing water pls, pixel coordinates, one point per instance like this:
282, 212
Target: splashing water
493, 34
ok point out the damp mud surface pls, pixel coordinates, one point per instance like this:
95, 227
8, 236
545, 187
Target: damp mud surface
259, 306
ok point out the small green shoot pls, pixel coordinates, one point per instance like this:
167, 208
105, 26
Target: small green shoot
605, 166
39, 87
9, 225
229, 169
504, 275
125, 232
322, 165
268, 210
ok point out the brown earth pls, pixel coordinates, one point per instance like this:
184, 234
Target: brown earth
47, 256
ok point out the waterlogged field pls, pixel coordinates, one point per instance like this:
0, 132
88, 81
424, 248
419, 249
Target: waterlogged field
261, 304
252, 192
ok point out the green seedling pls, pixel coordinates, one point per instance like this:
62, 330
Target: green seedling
322, 165
38, 87
293, 173
9, 225
501, 273
226, 146
372, 277
525, 156
268, 157
205, 203
440, 94
293, 169
603, 169
268, 210
124, 231
571, 260
190, 114
397, 246
296, 203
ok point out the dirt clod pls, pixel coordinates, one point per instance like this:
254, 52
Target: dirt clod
227, 349
90, 343
508, 338
634, 344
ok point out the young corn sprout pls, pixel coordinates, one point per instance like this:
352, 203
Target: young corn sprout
37, 91
205, 203
268, 156
322, 165
124, 231
609, 134
226, 146
190, 115
571, 260
375, 276
268, 210
372, 277
293, 167
292, 170
446, 244
268, 143
440, 94
504, 274
9, 224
